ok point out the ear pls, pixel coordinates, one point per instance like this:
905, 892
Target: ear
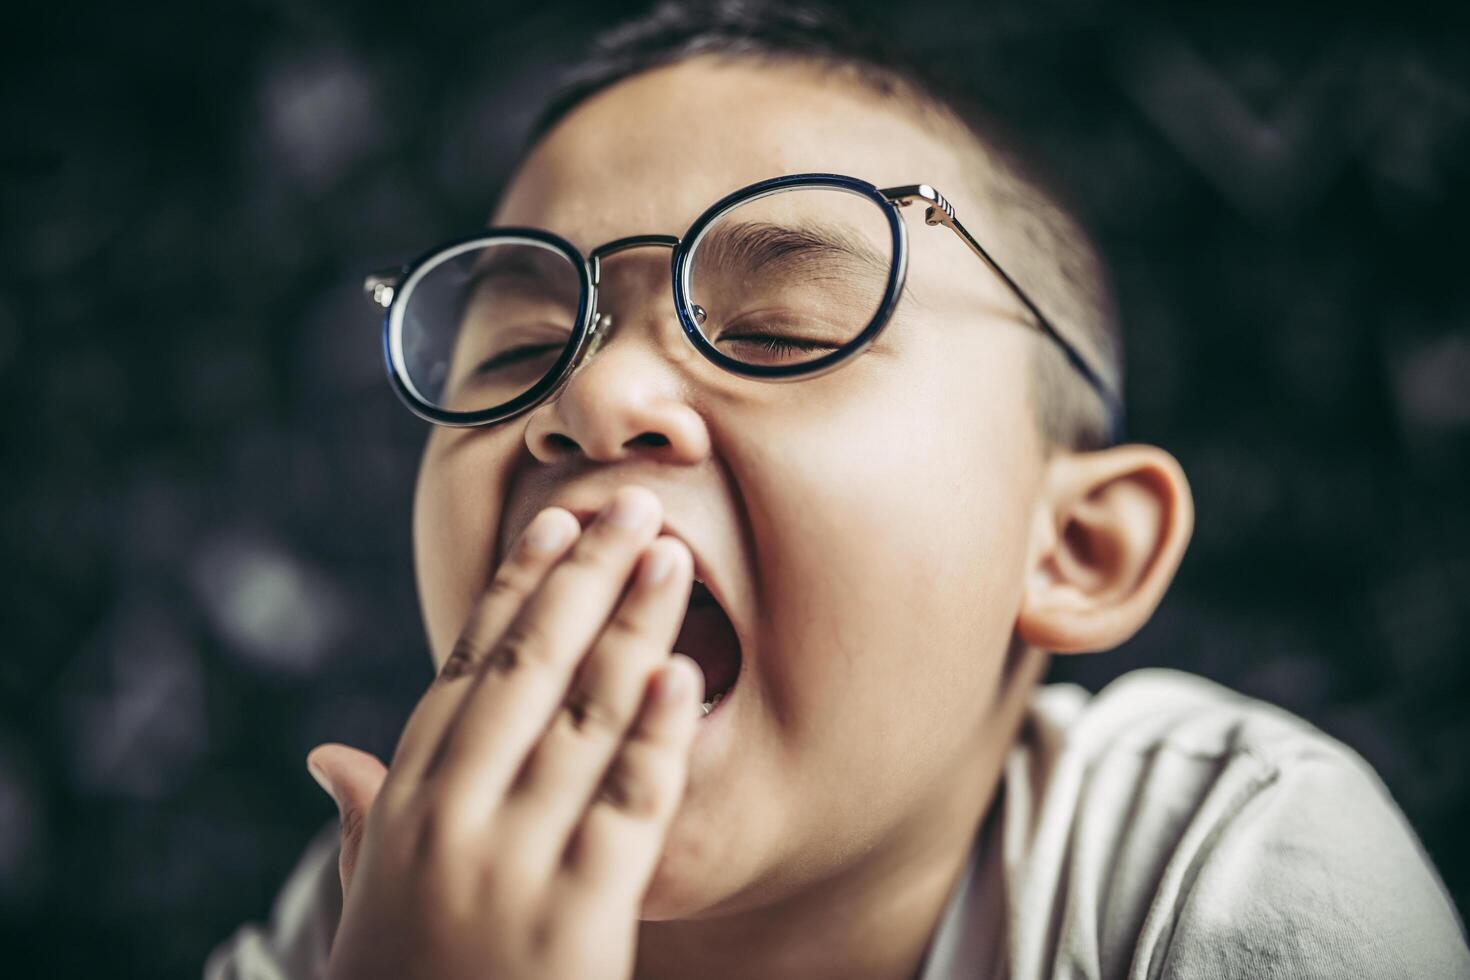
1108, 533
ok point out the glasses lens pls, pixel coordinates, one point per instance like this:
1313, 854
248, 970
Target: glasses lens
487, 322
792, 276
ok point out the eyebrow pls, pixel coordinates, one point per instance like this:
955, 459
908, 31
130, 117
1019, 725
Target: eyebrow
761, 246
518, 263
764, 246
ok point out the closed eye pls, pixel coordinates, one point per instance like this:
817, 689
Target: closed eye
778, 344
517, 355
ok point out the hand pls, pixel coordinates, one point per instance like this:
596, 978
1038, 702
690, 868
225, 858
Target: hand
525, 809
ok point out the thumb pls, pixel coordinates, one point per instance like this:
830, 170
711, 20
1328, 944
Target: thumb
352, 778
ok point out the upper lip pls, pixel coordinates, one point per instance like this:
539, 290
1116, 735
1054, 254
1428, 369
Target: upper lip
705, 570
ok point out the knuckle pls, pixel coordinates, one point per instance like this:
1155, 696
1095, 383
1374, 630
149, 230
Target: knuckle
543, 936
633, 790
521, 644
504, 878
353, 823
592, 715
504, 586
462, 660
626, 629
593, 556
437, 834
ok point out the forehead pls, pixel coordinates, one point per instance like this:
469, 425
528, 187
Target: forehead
648, 154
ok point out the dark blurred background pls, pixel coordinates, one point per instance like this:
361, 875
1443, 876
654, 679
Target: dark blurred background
205, 480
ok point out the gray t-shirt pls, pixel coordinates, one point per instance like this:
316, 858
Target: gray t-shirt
1166, 828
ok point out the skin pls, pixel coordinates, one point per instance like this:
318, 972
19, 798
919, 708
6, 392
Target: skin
894, 541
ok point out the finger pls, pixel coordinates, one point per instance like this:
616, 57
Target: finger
352, 778
545, 540
552, 791
528, 668
613, 854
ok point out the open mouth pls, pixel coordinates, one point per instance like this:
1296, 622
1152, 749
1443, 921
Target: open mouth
709, 638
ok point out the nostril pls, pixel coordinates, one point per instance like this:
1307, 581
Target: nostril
561, 442
654, 439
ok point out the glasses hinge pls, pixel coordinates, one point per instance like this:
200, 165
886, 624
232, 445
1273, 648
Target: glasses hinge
382, 286
939, 210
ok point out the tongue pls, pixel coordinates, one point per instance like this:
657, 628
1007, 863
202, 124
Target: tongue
709, 637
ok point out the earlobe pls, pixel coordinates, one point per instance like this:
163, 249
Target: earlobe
1110, 529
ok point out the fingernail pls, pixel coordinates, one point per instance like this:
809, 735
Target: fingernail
679, 678
321, 780
630, 509
658, 562
546, 533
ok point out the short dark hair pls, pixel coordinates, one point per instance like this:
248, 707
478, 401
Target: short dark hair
1051, 253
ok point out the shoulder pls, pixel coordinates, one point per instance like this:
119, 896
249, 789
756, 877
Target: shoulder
1195, 832
1162, 709
296, 940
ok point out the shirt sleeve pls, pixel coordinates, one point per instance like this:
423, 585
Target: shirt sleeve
1315, 874
294, 944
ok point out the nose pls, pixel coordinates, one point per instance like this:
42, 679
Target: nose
624, 402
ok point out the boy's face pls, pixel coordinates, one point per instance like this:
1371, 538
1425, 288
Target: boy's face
867, 531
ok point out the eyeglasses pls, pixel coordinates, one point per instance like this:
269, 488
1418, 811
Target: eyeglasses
782, 280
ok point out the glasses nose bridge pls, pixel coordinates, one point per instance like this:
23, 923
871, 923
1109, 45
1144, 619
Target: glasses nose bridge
600, 320
594, 259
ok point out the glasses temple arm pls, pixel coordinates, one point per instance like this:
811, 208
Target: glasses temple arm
941, 212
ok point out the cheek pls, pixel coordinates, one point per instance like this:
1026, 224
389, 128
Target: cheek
456, 511
891, 539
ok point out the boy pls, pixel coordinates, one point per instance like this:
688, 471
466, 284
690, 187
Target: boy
869, 565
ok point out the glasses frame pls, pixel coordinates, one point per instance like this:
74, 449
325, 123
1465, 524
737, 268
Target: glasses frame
390, 289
